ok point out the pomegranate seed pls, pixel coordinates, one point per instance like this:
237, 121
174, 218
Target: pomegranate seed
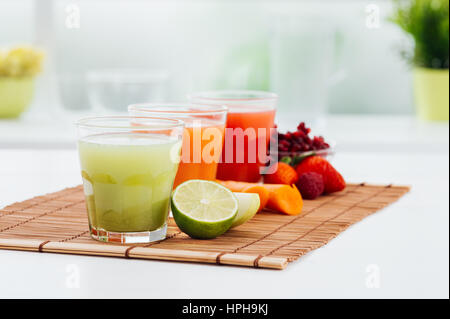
300, 141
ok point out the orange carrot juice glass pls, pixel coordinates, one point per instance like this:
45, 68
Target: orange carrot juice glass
254, 110
202, 137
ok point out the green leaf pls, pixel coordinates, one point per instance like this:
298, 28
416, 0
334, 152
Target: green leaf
286, 159
427, 21
297, 159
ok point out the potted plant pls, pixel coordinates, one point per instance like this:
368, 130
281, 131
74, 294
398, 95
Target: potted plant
18, 67
427, 22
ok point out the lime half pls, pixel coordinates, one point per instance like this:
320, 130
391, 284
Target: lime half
248, 206
203, 209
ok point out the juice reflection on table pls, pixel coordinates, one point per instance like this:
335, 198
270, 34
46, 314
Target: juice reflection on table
246, 110
202, 137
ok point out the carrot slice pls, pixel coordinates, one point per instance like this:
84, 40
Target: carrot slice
236, 186
283, 198
262, 192
243, 187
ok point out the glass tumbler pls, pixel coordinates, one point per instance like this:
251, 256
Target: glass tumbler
202, 137
114, 89
128, 166
250, 117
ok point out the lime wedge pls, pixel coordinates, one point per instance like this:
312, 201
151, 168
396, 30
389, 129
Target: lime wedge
248, 206
203, 209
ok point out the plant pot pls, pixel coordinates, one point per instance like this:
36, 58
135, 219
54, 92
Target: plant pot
15, 95
431, 93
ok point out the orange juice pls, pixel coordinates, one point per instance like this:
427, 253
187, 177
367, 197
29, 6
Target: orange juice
200, 161
202, 137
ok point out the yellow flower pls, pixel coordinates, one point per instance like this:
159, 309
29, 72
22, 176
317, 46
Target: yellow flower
20, 61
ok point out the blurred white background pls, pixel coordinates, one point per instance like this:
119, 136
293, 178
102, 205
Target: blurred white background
347, 47
334, 63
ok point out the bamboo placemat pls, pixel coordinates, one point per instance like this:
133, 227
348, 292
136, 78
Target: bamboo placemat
58, 223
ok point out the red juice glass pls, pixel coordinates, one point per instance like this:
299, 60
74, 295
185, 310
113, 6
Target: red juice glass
250, 117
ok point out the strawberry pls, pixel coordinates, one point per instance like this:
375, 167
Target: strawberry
334, 182
285, 174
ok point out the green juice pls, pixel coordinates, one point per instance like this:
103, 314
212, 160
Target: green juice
128, 180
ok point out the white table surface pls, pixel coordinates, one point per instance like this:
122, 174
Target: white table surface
405, 246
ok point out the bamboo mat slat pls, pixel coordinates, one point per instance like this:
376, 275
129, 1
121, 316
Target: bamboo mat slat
57, 223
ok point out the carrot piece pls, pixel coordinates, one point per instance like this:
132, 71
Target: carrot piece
284, 174
262, 192
284, 198
236, 186
243, 187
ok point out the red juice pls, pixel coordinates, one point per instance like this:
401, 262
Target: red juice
243, 156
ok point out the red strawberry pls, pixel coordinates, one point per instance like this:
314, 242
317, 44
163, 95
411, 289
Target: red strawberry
285, 174
334, 182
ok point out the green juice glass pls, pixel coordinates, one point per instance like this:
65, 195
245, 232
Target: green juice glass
128, 166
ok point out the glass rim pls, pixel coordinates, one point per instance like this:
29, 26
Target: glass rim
163, 123
126, 75
214, 95
178, 108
